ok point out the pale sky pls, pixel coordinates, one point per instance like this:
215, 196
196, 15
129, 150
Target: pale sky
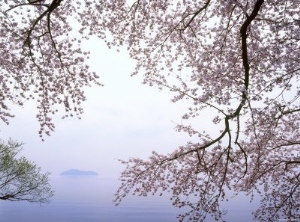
122, 119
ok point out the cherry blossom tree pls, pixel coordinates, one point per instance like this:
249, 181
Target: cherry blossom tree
41, 59
235, 62
238, 63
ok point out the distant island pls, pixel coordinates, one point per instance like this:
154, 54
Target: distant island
75, 172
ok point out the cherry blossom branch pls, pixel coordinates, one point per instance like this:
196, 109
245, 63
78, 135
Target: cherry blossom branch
194, 98
194, 15
52, 65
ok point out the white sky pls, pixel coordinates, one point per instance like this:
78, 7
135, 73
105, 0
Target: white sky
122, 119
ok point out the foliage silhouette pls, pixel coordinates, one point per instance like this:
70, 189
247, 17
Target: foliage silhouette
20, 179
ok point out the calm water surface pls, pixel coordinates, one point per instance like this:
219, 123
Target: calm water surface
89, 199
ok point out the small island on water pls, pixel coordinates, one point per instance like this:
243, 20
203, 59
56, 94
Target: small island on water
75, 172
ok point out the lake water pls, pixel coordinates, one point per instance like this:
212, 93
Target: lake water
89, 199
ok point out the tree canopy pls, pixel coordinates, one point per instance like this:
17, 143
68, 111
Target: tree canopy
41, 59
237, 62
21, 179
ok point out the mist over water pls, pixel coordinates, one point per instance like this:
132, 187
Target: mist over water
89, 199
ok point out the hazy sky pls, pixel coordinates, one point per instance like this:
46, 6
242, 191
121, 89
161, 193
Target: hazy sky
122, 119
